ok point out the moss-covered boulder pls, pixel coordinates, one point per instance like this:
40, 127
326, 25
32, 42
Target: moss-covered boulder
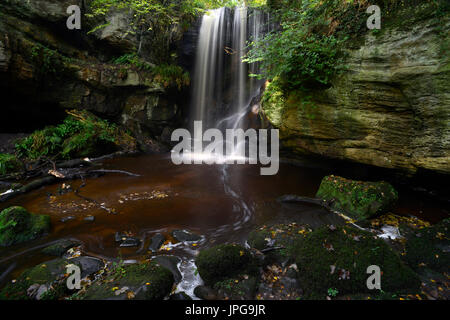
143, 281
360, 200
18, 225
44, 277
240, 288
48, 280
428, 248
223, 262
273, 241
338, 258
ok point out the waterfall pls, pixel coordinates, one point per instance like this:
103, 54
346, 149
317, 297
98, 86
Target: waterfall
208, 64
222, 88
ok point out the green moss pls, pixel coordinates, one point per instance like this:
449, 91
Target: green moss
9, 163
45, 273
82, 134
339, 259
156, 282
238, 288
18, 225
49, 63
224, 261
427, 248
360, 200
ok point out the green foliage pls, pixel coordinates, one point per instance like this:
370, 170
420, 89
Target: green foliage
8, 163
308, 51
17, 225
80, 135
223, 262
339, 258
305, 54
166, 74
48, 62
332, 292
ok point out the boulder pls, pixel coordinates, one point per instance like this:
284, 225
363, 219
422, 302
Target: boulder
360, 200
144, 281
183, 235
339, 257
156, 242
170, 263
223, 262
17, 225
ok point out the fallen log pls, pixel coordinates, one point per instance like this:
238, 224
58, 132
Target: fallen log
28, 187
290, 198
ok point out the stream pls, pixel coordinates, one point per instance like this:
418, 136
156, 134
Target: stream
222, 204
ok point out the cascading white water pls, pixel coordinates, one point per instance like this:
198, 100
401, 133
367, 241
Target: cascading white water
222, 88
208, 64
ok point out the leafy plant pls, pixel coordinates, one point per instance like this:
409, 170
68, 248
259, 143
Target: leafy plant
81, 134
333, 292
8, 163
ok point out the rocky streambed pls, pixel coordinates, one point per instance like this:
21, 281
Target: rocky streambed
174, 233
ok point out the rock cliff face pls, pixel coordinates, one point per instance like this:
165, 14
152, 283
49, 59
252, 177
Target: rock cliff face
46, 68
390, 109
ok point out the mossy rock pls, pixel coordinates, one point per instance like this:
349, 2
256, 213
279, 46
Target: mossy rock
17, 225
279, 236
146, 281
339, 258
240, 288
358, 199
43, 274
428, 247
52, 274
223, 262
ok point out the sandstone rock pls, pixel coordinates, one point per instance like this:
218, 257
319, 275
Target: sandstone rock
390, 109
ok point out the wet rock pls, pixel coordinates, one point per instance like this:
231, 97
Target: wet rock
32, 290
180, 296
47, 273
223, 262
144, 281
17, 225
183, 235
119, 236
59, 248
89, 219
358, 199
41, 291
205, 293
88, 265
171, 263
130, 242
156, 242
237, 288
67, 219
